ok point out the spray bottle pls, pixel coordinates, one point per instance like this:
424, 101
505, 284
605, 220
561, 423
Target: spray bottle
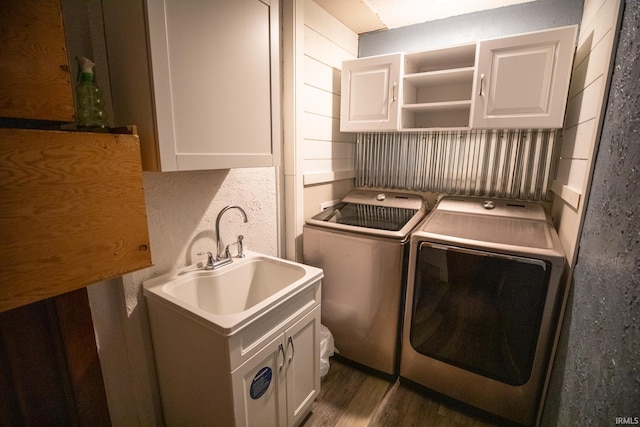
90, 114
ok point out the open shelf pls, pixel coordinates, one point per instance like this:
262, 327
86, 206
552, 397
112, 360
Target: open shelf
440, 59
437, 88
439, 106
441, 77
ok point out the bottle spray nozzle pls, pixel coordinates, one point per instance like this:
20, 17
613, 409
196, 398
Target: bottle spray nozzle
85, 64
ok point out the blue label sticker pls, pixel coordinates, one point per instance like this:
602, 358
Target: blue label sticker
260, 383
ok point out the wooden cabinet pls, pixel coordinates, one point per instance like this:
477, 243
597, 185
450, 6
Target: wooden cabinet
35, 81
515, 82
290, 363
523, 81
370, 93
73, 212
200, 79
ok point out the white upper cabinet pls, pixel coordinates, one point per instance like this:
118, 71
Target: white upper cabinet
200, 79
514, 82
370, 93
523, 81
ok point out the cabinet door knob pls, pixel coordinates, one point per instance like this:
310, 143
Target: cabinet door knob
393, 93
481, 84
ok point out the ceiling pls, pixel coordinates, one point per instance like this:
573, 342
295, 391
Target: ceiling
363, 16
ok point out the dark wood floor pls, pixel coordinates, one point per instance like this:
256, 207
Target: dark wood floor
352, 397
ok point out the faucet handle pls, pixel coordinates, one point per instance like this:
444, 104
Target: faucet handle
238, 243
240, 246
209, 259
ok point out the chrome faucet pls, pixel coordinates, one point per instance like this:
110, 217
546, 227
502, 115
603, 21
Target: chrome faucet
220, 246
219, 260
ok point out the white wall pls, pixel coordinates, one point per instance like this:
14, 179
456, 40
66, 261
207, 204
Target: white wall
182, 209
587, 99
328, 153
319, 159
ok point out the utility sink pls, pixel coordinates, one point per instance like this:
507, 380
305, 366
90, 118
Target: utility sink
235, 294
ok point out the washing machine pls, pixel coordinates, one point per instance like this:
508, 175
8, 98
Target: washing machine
362, 246
482, 304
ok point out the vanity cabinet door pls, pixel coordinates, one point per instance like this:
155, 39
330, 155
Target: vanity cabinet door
370, 93
277, 386
523, 81
259, 388
303, 366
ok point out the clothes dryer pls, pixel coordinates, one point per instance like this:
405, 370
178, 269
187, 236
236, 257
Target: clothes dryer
482, 303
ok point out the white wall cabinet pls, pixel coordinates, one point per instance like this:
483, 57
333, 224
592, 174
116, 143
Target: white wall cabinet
200, 79
290, 363
523, 81
370, 93
514, 82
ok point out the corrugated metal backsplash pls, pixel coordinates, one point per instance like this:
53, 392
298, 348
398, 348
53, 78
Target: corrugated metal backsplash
515, 164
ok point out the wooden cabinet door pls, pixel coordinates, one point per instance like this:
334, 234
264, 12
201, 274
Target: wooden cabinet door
73, 212
523, 81
302, 365
371, 89
35, 80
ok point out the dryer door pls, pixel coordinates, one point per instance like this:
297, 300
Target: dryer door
478, 311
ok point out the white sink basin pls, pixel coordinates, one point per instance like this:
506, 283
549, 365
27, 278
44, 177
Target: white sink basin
233, 295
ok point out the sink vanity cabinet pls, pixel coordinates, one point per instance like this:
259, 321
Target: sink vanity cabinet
514, 82
219, 366
200, 79
291, 362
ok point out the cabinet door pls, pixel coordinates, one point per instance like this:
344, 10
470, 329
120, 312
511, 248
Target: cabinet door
523, 81
370, 91
259, 388
302, 365
201, 80
72, 206
35, 81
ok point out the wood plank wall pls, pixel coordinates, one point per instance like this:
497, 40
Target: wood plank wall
318, 158
328, 153
583, 122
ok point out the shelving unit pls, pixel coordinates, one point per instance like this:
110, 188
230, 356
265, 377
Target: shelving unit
470, 86
437, 88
